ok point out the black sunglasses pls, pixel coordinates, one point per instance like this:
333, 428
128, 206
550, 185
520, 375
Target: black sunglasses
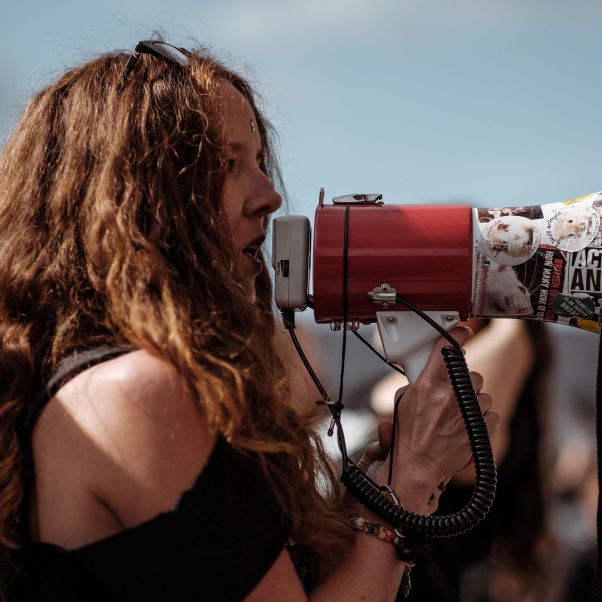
162, 50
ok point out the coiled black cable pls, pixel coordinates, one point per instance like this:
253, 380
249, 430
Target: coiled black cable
370, 494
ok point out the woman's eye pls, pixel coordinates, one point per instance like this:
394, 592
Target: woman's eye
231, 164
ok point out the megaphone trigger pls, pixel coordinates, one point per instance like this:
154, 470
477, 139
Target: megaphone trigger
408, 340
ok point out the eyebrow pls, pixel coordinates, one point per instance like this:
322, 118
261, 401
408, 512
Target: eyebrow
238, 146
241, 147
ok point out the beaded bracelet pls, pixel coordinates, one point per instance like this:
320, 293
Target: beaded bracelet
361, 524
358, 523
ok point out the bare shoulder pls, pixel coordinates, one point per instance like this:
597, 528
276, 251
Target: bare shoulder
130, 431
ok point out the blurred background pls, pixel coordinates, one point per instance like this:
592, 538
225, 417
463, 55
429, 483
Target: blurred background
484, 102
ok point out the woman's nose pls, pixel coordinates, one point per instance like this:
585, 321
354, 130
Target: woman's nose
264, 200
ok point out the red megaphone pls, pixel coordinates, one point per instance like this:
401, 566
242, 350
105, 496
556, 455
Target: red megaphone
541, 262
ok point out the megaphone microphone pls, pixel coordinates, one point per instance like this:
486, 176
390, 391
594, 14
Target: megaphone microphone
446, 263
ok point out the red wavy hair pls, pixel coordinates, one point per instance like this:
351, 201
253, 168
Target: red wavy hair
111, 232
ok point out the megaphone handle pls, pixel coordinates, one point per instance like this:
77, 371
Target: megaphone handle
408, 339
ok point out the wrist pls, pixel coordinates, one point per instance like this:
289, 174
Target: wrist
398, 548
414, 488
417, 490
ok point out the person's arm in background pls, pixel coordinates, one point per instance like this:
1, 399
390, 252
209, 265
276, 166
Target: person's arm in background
502, 352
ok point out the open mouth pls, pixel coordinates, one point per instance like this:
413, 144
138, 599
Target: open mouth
251, 252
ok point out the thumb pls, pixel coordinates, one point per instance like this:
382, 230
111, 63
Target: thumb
378, 451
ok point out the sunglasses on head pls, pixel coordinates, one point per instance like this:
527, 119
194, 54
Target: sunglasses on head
162, 50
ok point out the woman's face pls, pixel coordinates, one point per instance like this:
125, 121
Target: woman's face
248, 195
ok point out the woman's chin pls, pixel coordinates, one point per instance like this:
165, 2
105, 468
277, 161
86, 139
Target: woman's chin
247, 283
248, 273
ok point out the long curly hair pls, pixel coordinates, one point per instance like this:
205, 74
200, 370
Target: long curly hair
111, 231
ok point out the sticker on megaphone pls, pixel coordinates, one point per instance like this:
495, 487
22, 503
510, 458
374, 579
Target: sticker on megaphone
542, 262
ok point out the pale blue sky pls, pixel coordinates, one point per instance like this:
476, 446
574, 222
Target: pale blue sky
485, 101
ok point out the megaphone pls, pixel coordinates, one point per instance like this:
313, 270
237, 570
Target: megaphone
445, 263
539, 262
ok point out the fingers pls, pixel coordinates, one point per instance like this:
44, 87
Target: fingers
378, 450
477, 381
485, 402
492, 420
484, 399
371, 454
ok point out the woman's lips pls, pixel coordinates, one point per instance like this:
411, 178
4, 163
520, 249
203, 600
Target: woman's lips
251, 252
252, 255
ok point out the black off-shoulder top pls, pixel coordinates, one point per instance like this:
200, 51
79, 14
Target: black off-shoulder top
216, 545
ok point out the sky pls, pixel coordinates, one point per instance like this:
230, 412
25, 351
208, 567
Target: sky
484, 102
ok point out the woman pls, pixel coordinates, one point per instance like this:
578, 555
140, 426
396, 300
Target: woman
149, 446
